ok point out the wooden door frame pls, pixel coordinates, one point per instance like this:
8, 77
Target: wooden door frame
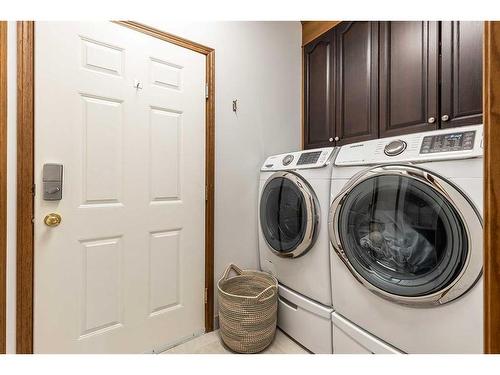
25, 173
3, 186
491, 119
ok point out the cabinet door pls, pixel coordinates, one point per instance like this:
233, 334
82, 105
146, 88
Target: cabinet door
356, 89
461, 73
408, 77
318, 92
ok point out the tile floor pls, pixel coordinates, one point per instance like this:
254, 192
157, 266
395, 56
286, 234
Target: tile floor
211, 343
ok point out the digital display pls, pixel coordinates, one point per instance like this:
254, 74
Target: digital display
448, 142
309, 158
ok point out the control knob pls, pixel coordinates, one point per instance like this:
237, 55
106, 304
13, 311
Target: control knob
395, 147
287, 159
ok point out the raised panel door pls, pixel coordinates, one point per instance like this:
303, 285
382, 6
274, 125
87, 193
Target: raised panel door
409, 83
318, 92
124, 113
461, 73
357, 82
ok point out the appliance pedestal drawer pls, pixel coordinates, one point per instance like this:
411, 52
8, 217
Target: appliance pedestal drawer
350, 339
308, 322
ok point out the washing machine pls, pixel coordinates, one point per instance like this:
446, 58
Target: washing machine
294, 243
406, 234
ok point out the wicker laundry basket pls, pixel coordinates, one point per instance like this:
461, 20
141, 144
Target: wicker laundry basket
248, 305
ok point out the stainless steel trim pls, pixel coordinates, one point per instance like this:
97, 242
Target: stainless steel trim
468, 213
312, 210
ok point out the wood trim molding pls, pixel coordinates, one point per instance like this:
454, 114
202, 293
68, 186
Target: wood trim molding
210, 192
3, 186
25, 139
312, 29
491, 116
171, 38
25, 170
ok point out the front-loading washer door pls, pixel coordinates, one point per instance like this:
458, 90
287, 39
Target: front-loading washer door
408, 234
289, 214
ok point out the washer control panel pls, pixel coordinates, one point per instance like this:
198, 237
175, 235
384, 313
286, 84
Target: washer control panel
459, 141
299, 160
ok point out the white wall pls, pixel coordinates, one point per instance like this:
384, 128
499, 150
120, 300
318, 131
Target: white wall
259, 64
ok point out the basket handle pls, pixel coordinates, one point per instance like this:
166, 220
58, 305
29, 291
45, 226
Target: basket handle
259, 296
233, 267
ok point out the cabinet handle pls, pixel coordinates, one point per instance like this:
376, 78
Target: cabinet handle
431, 120
445, 118
330, 140
337, 139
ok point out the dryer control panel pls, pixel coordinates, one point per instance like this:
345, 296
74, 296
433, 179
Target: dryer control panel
460, 141
316, 158
447, 144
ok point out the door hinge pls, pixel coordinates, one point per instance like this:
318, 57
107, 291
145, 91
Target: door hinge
33, 189
206, 193
205, 296
206, 90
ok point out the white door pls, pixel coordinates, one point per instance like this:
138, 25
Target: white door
124, 271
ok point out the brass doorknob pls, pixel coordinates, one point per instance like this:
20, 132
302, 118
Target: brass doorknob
52, 220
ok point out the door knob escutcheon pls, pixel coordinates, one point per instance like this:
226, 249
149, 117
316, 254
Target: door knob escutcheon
52, 219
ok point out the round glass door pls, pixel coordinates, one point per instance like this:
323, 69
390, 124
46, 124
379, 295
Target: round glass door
288, 215
402, 236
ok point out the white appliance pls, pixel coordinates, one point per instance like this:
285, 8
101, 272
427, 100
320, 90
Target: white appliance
294, 244
406, 232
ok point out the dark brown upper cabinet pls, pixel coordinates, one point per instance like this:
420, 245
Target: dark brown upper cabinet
461, 73
365, 80
318, 92
356, 86
409, 85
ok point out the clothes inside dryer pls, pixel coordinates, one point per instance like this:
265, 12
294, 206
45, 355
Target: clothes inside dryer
402, 236
283, 215
393, 240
